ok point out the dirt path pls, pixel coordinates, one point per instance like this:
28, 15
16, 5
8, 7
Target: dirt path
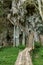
24, 57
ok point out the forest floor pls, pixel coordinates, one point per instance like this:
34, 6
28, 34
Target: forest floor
9, 55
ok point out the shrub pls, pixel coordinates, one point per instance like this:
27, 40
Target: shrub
21, 47
37, 45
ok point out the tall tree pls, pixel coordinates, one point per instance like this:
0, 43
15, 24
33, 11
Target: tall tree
26, 15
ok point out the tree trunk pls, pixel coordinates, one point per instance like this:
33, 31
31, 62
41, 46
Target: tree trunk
23, 40
14, 41
40, 8
31, 40
17, 36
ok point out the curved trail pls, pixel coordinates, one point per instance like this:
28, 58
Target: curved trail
24, 57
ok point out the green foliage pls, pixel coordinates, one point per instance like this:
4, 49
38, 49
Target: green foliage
22, 47
1, 11
37, 56
37, 44
7, 4
29, 5
40, 28
2, 24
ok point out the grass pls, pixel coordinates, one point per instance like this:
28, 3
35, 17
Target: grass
9, 55
38, 56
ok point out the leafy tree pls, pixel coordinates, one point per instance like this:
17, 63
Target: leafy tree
27, 14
